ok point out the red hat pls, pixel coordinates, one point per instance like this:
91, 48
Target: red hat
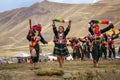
96, 25
39, 27
36, 27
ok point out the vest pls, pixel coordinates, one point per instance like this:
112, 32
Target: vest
35, 39
60, 39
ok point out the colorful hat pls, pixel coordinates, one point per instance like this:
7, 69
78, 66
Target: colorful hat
37, 27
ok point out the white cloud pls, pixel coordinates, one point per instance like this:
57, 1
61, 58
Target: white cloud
74, 1
56, 0
94, 1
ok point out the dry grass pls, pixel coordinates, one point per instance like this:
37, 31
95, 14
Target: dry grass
74, 70
49, 72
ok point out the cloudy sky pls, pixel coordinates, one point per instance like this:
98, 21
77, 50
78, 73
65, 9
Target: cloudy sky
75, 1
6, 5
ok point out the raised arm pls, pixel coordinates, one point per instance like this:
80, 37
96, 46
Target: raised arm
30, 31
29, 35
107, 28
67, 29
54, 28
69, 25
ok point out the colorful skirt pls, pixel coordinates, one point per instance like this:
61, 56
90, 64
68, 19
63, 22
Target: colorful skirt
61, 50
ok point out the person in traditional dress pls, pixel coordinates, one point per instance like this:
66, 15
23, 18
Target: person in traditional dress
34, 36
60, 48
104, 45
77, 49
96, 41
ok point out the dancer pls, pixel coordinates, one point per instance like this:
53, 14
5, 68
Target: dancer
77, 49
60, 49
96, 41
34, 36
111, 46
104, 45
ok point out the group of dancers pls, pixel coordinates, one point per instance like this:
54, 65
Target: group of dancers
94, 44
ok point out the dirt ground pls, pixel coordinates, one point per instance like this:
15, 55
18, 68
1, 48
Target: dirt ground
73, 70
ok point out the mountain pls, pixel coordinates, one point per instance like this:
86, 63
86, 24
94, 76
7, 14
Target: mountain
14, 24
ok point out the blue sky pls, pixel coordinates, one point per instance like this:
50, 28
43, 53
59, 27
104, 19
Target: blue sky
6, 5
13, 4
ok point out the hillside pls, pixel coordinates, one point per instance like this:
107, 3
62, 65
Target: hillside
14, 24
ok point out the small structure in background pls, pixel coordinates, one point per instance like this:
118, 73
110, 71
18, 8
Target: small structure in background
44, 57
22, 57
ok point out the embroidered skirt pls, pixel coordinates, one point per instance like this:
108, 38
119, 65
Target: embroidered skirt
61, 50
